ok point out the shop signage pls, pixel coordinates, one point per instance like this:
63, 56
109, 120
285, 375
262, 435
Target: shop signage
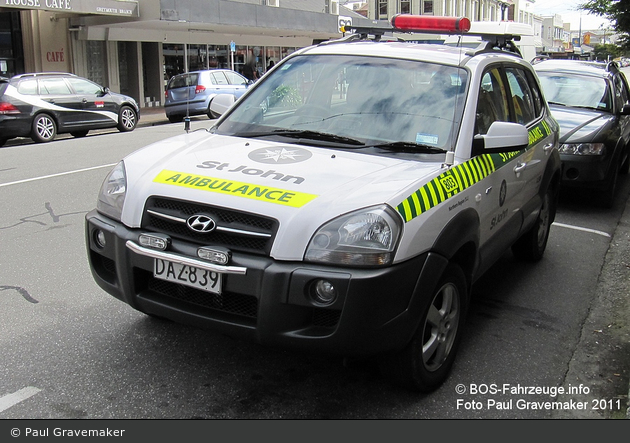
55, 56
99, 7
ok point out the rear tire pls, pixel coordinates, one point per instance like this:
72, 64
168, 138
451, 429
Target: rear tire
44, 129
427, 360
79, 134
127, 119
175, 119
531, 245
3, 141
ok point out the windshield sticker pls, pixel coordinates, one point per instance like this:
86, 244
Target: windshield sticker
427, 139
239, 189
280, 155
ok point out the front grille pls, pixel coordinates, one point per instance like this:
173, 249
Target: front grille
243, 232
238, 304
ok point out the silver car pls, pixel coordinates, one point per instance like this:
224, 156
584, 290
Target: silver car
191, 93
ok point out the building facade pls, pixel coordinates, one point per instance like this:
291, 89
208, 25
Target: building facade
134, 47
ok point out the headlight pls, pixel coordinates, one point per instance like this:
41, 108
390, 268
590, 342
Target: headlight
112, 195
363, 238
582, 148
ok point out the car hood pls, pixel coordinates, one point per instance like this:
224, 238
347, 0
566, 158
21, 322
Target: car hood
302, 187
580, 125
124, 98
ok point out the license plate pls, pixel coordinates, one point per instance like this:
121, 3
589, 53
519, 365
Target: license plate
187, 275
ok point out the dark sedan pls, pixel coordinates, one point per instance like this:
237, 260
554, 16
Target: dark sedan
590, 102
42, 105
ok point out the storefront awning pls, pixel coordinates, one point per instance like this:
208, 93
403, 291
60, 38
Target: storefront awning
97, 7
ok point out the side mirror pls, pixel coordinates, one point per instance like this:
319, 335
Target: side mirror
501, 137
221, 103
626, 109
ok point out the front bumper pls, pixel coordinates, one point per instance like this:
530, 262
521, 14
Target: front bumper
586, 171
267, 301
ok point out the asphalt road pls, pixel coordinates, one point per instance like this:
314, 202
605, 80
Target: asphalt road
69, 350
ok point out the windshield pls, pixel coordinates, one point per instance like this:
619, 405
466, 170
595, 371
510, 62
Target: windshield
575, 90
367, 100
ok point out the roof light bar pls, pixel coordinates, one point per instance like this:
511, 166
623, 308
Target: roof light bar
430, 24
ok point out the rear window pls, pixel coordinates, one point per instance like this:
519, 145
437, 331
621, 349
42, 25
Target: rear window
183, 81
28, 87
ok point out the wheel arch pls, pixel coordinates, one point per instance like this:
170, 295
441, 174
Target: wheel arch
459, 242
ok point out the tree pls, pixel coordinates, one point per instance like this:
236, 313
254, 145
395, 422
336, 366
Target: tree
606, 52
617, 12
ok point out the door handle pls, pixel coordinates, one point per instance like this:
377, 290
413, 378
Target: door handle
547, 148
520, 167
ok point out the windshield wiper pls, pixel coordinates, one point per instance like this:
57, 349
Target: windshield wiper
401, 146
305, 134
556, 103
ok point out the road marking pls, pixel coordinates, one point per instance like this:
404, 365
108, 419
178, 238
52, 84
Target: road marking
578, 228
55, 175
13, 399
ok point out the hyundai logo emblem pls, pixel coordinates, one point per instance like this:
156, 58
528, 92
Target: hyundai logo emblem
201, 223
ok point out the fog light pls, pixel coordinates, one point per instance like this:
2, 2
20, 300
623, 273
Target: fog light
99, 238
219, 256
324, 292
154, 241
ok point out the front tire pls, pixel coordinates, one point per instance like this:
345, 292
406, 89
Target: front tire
608, 198
427, 360
127, 119
44, 128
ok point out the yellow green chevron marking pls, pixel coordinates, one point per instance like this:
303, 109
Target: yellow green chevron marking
461, 177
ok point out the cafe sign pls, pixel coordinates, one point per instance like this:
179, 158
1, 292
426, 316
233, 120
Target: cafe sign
100, 7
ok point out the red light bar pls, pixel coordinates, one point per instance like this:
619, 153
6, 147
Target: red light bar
430, 24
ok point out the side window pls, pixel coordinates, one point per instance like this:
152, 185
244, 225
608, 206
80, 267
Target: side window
621, 92
85, 87
218, 78
521, 94
54, 86
236, 79
492, 105
28, 87
537, 95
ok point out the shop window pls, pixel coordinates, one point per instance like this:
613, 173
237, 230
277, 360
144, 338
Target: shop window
96, 61
405, 6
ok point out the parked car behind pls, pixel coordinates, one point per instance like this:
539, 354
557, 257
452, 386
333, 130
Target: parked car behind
590, 102
191, 93
42, 105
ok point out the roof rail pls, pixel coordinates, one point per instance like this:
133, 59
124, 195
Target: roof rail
43, 74
408, 23
494, 42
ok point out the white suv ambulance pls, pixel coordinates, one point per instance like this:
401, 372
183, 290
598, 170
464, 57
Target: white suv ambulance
345, 204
